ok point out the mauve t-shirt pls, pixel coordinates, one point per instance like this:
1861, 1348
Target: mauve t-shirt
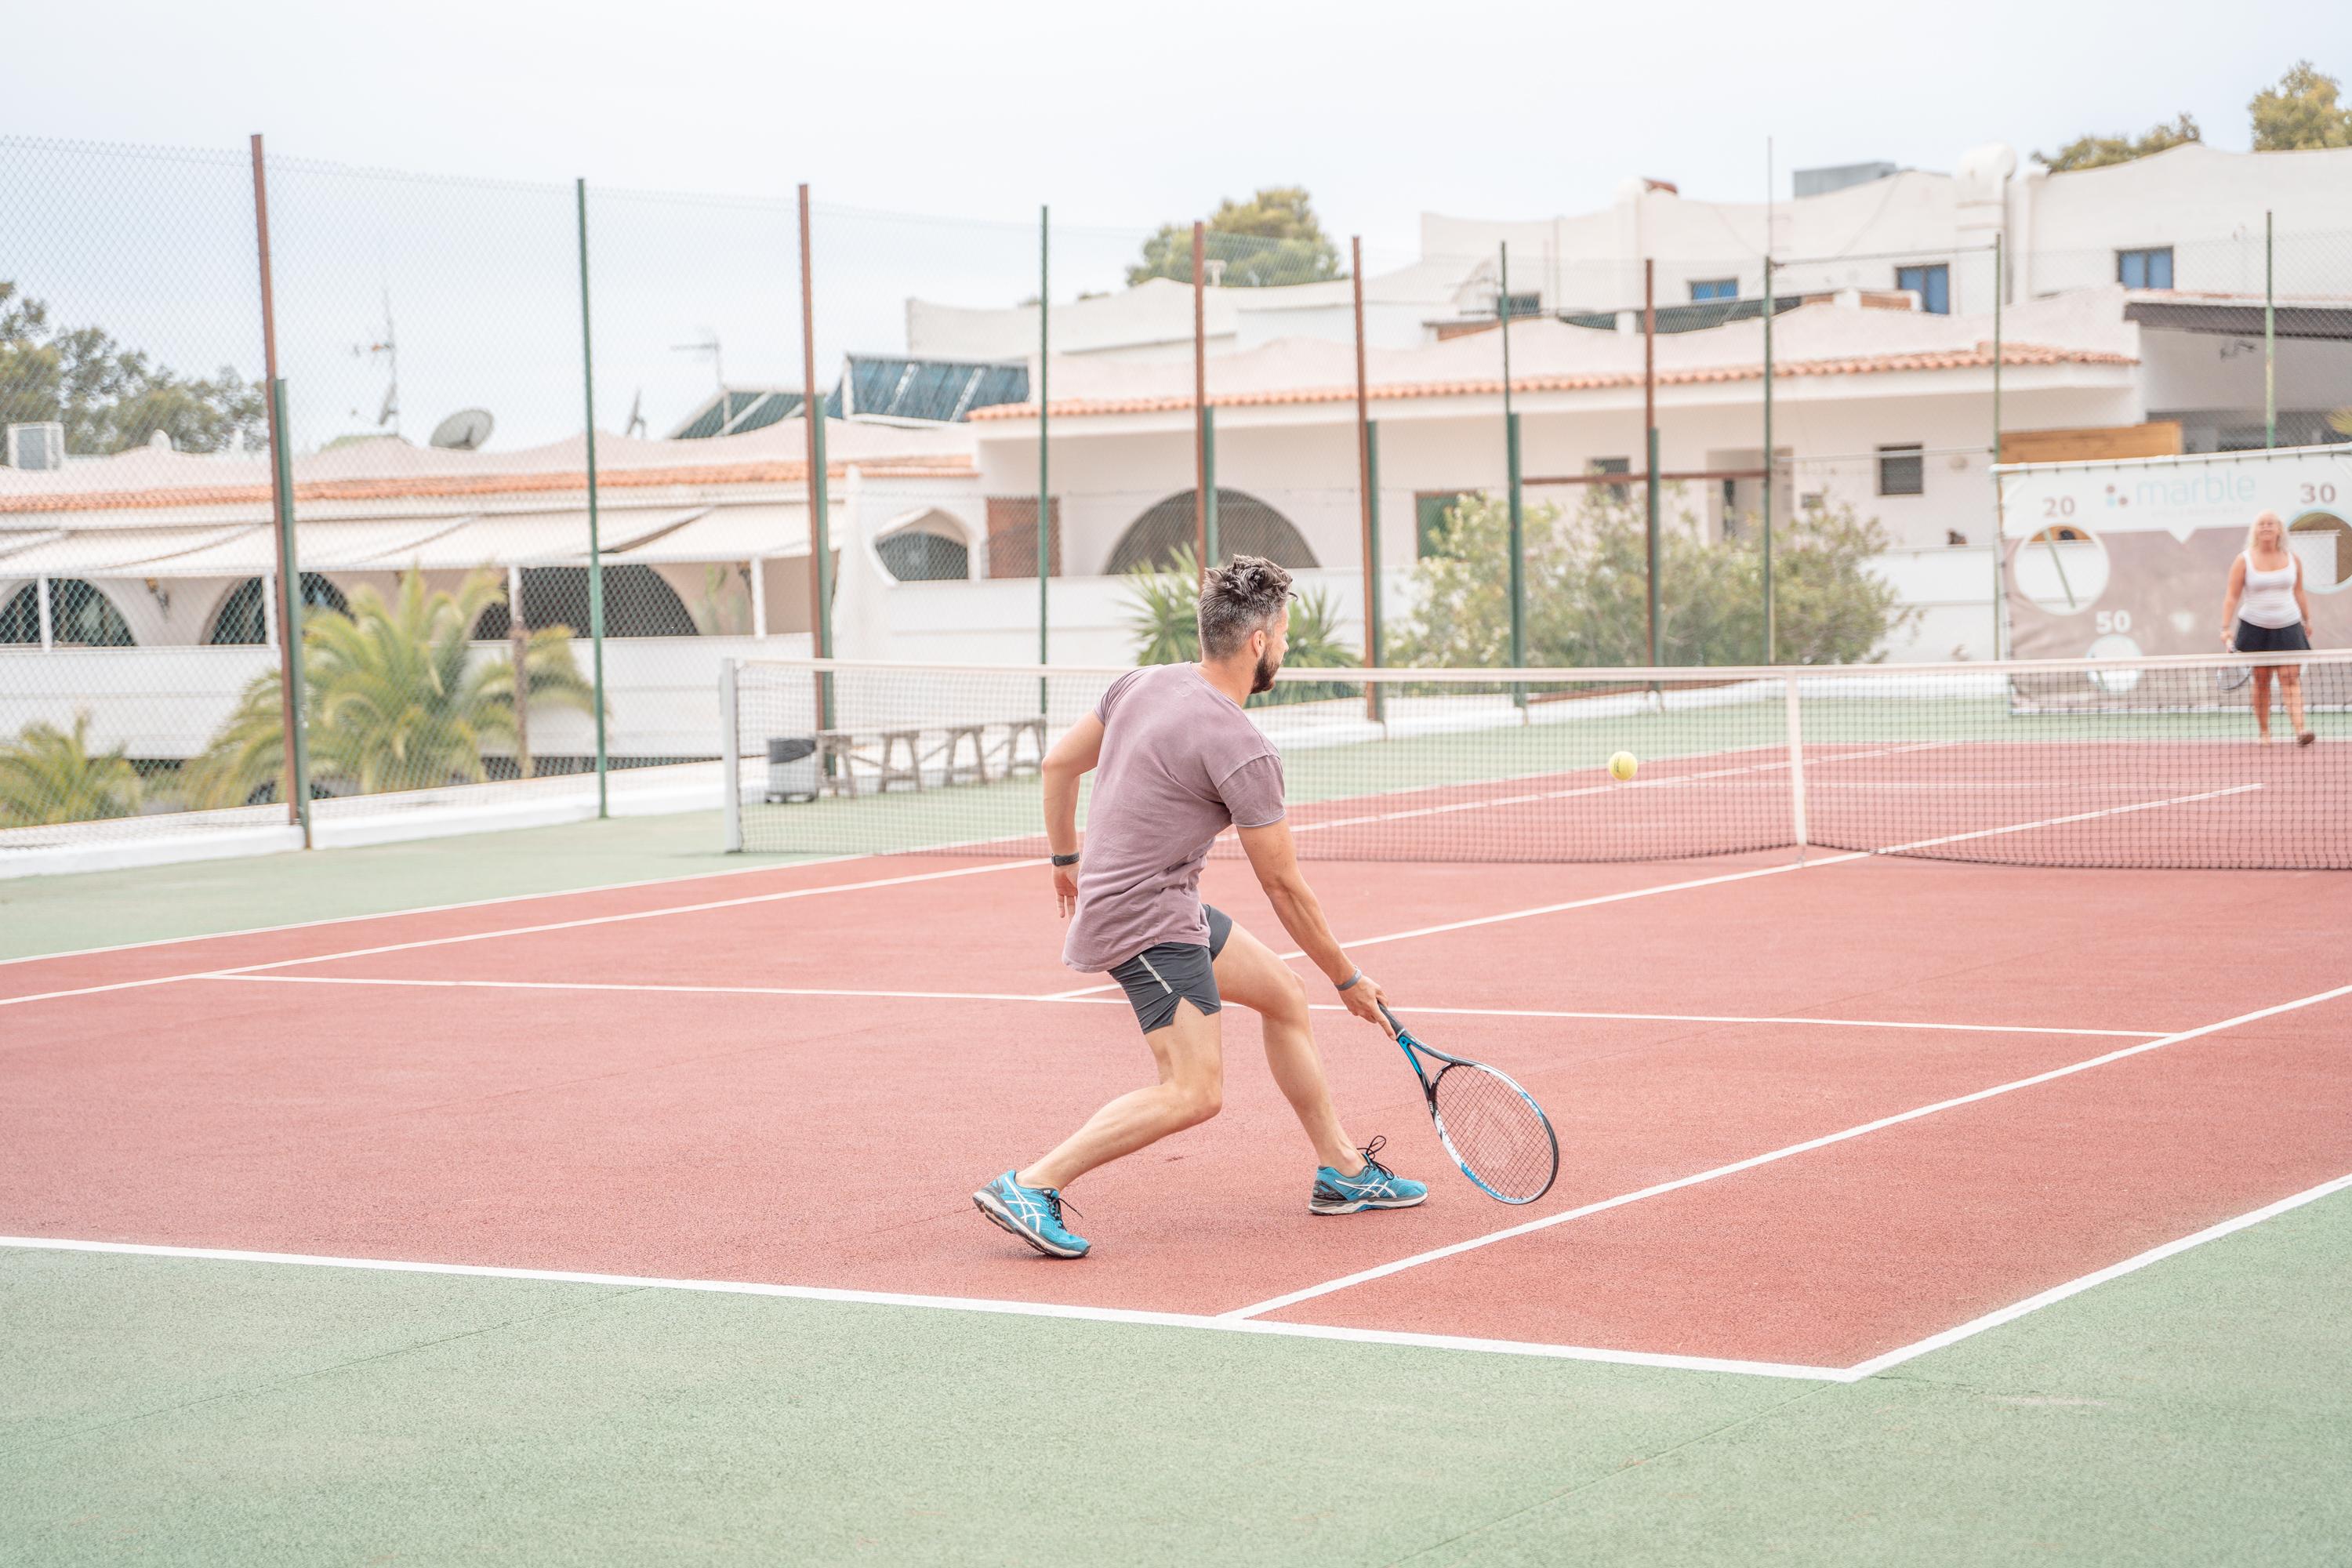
1179, 762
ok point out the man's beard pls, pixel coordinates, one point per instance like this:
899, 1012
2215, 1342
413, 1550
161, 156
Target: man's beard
1262, 679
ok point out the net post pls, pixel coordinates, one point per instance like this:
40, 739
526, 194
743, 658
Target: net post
1795, 766
731, 760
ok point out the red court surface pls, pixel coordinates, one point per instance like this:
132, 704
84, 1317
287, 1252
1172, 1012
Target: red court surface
699, 1080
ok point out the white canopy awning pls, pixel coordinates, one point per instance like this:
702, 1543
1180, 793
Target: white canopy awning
533, 539
117, 552
321, 547
731, 533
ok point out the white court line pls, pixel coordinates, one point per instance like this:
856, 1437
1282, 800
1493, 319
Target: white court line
882, 996
953, 1304
1436, 1254
769, 866
1975, 1326
533, 929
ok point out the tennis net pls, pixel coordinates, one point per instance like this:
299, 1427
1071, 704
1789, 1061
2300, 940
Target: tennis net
2107, 763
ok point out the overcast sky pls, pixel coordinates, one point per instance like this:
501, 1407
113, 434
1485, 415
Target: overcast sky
1124, 116
1120, 117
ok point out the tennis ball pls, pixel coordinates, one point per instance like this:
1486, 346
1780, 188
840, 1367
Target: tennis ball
1622, 764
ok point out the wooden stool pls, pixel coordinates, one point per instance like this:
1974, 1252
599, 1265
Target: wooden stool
974, 771
1014, 767
836, 752
898, 744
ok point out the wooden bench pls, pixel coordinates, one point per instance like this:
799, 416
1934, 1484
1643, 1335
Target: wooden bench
857, 761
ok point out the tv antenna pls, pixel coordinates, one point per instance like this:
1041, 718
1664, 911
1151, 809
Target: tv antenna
710, 346
389, 347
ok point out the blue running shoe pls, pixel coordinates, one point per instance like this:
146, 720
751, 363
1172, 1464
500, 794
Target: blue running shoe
1373, 1187
1033, 1214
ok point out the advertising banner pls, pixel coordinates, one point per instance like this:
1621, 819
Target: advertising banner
2115, 559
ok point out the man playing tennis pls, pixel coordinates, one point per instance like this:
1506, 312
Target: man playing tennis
1178, 761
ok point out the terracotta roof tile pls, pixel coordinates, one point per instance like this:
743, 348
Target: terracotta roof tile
1979, 357
448, 485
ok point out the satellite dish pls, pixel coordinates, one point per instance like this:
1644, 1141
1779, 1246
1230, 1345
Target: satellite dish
464, 431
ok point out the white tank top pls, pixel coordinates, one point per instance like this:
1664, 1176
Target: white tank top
2270, 596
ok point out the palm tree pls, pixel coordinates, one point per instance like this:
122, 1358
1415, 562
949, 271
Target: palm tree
396, 698
1166, 621
48, 776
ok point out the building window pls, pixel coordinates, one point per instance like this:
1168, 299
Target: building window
1433, 528
241, 619
2145, 268
1614, 465
1518, 305
912, 556
1932, 284
80, 615
1714, 289
1902, 470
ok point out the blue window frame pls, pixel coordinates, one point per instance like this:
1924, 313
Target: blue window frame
1714, 289
2150, 268
1933, 284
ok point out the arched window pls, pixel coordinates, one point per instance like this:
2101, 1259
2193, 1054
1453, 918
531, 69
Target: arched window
240, 620
1246, 526
637, 603
925, 551
80, 617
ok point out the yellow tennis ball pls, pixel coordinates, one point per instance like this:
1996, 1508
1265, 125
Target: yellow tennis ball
1622, 764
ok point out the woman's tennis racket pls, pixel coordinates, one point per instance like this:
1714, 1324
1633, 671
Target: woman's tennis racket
1493, 1128
2231, 677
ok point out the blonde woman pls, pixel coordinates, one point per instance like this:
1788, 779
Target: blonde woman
2266, 612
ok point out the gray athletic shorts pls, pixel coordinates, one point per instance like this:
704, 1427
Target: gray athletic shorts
1167, 973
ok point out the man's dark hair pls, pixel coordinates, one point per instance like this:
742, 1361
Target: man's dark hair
1239, 597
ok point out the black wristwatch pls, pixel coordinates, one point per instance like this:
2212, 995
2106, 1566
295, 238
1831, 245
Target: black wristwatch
1065, 859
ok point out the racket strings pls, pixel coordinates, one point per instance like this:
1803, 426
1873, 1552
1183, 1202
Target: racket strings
1495, 1132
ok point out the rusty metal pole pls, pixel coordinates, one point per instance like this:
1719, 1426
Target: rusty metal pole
1370, 502
281, 495
1200, 401
819, 529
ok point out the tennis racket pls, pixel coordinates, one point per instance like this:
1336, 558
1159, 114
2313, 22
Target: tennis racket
1493, 1128
2231, 677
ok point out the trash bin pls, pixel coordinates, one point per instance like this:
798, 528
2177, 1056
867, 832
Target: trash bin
791, 768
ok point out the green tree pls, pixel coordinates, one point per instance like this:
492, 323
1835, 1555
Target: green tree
2097, 151
110, 398
2301, 112
1273, 237
48, 776
1166, 621
1587, 590
397, 699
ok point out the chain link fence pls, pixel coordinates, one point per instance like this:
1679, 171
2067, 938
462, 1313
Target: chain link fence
505, 615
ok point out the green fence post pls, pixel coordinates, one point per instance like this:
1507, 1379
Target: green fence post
289, 615
2269, 340
1999, 288
1375, 647
1044, 489
595, 549
1771, 639
1653, 572
1513, 501
1208, 481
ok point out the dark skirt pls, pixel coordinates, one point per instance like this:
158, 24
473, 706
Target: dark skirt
2252, 638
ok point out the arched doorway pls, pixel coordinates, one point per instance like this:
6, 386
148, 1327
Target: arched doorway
637, 603
1246, 526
